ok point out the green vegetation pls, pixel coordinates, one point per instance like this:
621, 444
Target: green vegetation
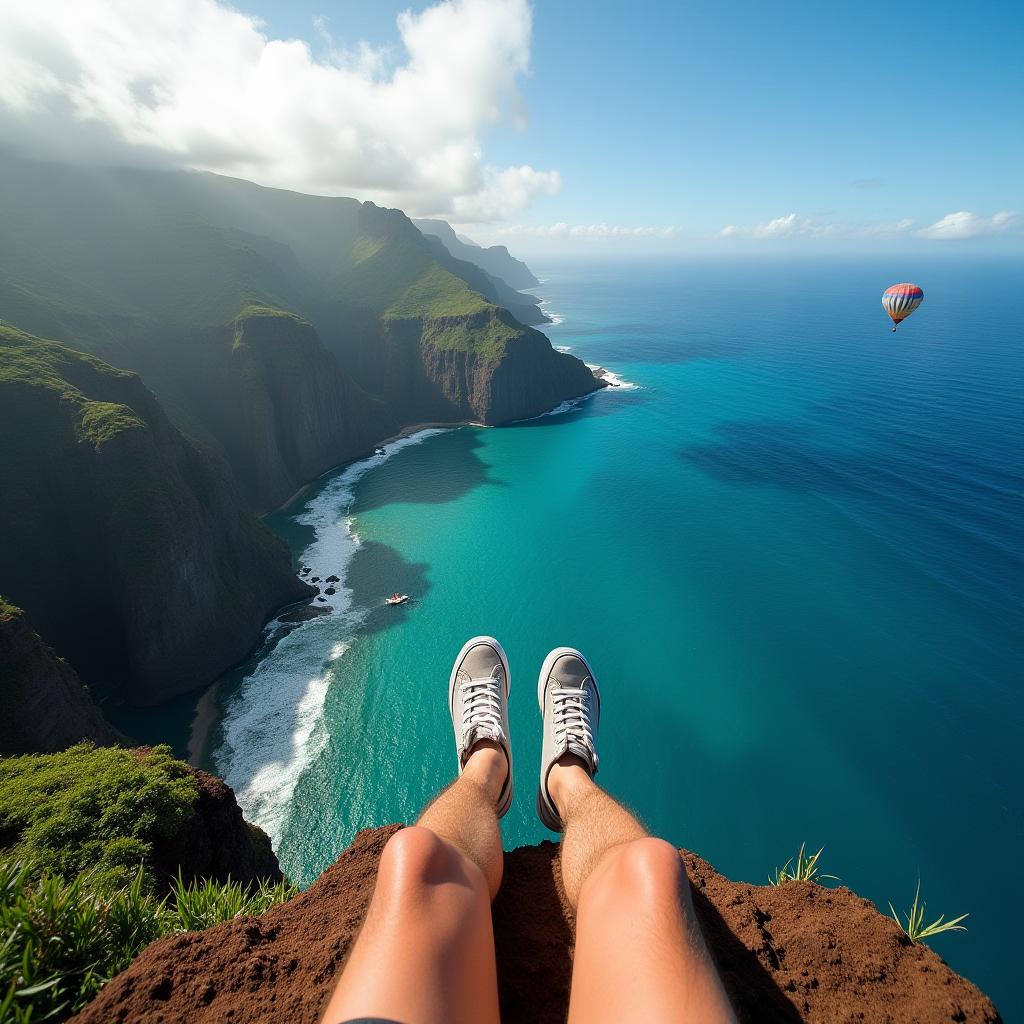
62, 940
205, 904
916, 929
806, 869
96, 809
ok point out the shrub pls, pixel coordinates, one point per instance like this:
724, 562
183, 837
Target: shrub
96, 809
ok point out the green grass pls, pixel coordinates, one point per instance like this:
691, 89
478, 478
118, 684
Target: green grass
97, 809
205, 904
62, 940
806, 869
915, 928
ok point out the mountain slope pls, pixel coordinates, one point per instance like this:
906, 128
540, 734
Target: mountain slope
153, 272
495, 259
129, 545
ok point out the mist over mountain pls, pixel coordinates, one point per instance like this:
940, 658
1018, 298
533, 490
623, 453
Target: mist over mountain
276, 335
495, 259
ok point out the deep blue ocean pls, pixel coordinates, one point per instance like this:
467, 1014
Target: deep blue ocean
792, 551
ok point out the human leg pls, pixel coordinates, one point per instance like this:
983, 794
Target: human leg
425, 954
639, 952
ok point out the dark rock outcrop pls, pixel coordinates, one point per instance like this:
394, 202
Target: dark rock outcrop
167, 578
794, 953
217, 842
43, 705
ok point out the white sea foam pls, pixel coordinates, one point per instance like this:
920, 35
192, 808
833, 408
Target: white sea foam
562, 348
274, 727
613, 380
558, 409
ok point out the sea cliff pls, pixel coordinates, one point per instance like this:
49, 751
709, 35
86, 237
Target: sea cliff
136, 555
43, 704
225, 344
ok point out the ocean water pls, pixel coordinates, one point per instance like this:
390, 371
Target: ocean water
791, 548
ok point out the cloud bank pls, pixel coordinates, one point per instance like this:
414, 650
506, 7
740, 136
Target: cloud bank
563, 231
952, 226
970, 225
196, 84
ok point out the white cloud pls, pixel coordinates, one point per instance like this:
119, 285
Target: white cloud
194, 83
795, 226
953, 225
970, 225
563, 231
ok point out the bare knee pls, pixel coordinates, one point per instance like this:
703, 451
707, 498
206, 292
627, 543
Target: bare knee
416, 862
643, 872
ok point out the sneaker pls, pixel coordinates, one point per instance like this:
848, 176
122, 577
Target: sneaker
478, 698
571, 708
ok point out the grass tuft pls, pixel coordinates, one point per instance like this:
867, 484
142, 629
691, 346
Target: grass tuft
915, 928
204, 904
61, 941
806, 869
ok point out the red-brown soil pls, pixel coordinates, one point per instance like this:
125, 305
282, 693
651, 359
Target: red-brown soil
794, 953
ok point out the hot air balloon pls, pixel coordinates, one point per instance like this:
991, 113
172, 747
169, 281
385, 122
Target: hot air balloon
900, 301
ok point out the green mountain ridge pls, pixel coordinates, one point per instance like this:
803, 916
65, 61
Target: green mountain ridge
496, 260
151, 272
225, 344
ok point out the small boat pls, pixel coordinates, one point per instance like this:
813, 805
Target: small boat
396, 599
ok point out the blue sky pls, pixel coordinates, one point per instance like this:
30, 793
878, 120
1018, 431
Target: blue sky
704, 115
851, 123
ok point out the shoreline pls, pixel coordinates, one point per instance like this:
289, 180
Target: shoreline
405, 432
205, 714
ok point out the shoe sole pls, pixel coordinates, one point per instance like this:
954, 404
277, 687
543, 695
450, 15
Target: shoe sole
549, 817
505, 803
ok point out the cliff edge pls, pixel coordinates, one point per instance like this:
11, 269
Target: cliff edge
795, 953
43, 704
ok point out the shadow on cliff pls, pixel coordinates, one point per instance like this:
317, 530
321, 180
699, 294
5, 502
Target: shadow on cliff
451, 470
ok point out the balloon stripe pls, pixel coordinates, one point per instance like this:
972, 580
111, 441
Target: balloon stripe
901, 300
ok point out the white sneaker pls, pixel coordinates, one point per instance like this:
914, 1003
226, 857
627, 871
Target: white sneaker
571, 708
478, 698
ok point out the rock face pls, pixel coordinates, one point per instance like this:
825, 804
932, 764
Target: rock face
217, 843
43, 705
795, 953
428, 371
134, 552
275, 401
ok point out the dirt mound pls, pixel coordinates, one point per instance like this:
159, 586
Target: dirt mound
794, 953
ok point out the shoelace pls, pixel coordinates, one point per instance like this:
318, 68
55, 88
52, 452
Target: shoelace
570, 713
481, 709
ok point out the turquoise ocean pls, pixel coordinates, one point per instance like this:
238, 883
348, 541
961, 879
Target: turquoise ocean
790, 544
